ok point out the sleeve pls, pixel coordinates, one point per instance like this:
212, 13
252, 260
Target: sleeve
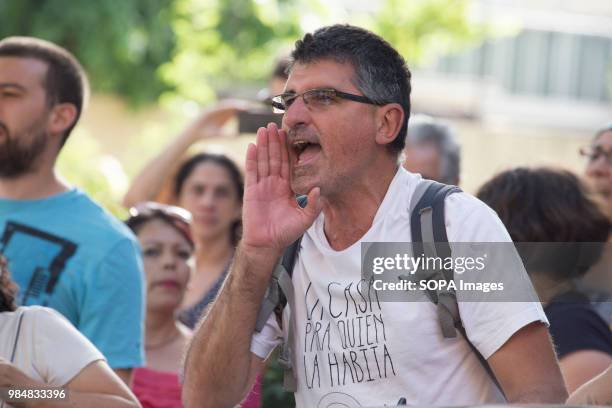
112, 315
264, 342
60, 351
576, 327
492, 318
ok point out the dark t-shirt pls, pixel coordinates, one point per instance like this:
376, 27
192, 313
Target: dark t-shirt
575, 325
191, 316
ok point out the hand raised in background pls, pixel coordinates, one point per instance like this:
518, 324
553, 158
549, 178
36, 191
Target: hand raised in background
211, 121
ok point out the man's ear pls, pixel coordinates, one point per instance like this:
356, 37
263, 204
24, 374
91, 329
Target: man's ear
389, 120
62, 116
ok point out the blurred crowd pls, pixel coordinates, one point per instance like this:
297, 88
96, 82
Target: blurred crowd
108, 308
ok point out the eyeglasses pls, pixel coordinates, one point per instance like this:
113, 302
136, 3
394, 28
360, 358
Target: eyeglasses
316, 98
594, 153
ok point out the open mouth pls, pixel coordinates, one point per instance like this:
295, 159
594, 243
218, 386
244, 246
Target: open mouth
305, 151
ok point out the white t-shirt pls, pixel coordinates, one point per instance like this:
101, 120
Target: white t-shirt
49, 348
350, 352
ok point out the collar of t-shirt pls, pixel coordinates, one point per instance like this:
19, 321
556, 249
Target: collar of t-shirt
9, 205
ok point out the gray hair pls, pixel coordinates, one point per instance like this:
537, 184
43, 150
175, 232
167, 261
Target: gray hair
425, 129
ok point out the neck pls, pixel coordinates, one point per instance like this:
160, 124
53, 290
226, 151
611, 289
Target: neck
160, 327
213, 252
349, 214
40, 183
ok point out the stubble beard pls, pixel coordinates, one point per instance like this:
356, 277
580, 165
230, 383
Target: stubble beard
17, 160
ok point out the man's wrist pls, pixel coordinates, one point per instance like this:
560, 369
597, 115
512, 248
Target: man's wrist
257, 255
255, 270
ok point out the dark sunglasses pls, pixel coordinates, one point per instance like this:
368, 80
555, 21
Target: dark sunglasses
317, 98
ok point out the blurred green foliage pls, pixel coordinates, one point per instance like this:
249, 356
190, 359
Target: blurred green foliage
142, 49
227, 42
83, 165
120, 43
422, 30
273, 393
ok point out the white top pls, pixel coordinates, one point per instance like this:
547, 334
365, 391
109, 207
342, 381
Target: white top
49, 348
350, 352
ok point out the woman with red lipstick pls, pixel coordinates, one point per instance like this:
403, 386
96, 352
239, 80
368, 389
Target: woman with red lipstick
167, 247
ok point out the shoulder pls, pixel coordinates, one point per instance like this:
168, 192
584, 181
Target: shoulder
103, 238
94, 216
459, 207
46, 325
45, 319
469, 219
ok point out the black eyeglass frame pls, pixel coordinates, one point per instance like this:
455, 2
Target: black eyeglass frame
277, 103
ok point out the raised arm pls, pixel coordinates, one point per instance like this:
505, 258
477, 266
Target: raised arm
149, 182
220, 368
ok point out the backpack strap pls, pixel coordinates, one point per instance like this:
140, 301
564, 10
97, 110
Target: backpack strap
17, 333
278, 295
429, 238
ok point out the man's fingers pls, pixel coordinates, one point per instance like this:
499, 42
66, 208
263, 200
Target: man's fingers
263, 167
250, 174
274, 150
313, 205
284, 167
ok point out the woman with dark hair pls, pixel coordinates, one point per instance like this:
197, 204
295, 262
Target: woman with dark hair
167, 248
41, 350
166, 244
553, 208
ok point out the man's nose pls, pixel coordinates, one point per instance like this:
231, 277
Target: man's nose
296, 114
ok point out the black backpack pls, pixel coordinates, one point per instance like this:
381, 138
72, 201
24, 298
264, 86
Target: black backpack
427, 224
